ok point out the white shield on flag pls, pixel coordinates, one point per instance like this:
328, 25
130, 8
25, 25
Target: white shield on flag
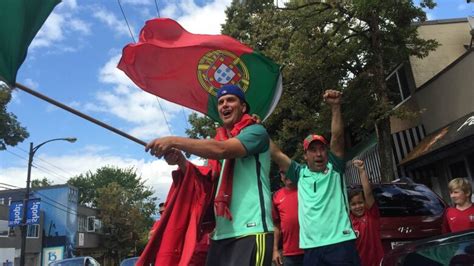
224, 74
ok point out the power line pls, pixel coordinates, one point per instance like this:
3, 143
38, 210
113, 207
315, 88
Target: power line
157, 9
185, 118
164, 115
126, 21
41, 168
44, 197
52, 165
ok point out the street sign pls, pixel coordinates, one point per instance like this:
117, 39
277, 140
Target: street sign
16, 212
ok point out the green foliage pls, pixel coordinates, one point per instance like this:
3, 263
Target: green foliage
45, 182
125, 204
122, 219
347, 45
202, 127
11, 132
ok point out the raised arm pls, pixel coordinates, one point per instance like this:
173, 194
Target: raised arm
279, 157
364, 180
333, 98
205, 148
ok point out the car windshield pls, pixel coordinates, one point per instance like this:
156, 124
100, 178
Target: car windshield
129, 262
69, 262
396, 200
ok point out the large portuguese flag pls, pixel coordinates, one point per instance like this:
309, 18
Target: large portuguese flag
188, 69
20, 21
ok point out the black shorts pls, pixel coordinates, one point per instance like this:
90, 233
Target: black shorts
252, 250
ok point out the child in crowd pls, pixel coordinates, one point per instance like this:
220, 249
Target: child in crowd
461, 216
365, 220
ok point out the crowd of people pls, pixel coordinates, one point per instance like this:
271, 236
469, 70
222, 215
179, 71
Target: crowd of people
314, 217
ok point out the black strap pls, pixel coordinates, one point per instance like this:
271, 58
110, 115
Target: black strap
260, 194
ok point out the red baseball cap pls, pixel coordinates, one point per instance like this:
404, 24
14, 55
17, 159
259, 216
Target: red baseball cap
312, 137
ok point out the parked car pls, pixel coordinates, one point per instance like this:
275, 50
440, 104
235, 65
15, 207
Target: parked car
408, 212
129, 261
77, 261
447, 249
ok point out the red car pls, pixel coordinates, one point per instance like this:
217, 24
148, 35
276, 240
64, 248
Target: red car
408, 212
448, 249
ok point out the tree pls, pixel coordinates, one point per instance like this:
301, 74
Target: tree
11, 132
45, 182
350, 45
125, 207
123, 221
202, 127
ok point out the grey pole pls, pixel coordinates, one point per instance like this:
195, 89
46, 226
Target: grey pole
24, 226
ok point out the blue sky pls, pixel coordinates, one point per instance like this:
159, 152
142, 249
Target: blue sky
73, 60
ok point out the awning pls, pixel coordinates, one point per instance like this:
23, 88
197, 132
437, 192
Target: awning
454, 138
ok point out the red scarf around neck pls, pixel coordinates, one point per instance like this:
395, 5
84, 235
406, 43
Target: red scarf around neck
224, 194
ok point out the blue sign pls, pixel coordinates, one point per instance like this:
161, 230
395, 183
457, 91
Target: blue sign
32, 214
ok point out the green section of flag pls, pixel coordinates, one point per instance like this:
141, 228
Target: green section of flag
263, 90
20, 21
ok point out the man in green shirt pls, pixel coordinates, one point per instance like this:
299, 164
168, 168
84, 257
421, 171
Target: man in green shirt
244, 227
326, 233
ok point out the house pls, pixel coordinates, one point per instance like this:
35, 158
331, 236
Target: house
438, 144
66, 228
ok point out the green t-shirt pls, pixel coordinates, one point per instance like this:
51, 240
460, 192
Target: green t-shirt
250, 205
322, 204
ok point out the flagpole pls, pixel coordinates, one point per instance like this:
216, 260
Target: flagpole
82, 115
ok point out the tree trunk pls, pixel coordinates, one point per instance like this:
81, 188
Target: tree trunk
385, 150
382, 125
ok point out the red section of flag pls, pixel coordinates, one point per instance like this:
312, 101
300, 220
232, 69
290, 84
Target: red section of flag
165, 61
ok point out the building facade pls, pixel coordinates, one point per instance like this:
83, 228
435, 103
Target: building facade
65, 230
438, 144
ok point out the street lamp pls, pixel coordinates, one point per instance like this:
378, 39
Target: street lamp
32, 152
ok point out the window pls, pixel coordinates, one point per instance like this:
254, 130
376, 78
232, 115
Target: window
2, 201
4, 229
81, 223
91, 224
32, 231
397, 85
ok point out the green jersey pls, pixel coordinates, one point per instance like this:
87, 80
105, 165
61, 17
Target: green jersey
250, 205
322, 204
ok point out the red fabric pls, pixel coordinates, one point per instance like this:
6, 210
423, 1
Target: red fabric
224, 194
367, 229
165, 61
285, 213
200, 251
155, 225
456, 220
178, 230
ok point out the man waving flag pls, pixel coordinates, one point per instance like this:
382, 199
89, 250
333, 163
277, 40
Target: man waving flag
188, 69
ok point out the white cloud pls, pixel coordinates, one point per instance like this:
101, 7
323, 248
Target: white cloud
109, 18
462, 7
430, 16
61, 25
31, 84
50, 33
125, 101
68, 4
199, 19
80, 26
137, 2
156, 173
